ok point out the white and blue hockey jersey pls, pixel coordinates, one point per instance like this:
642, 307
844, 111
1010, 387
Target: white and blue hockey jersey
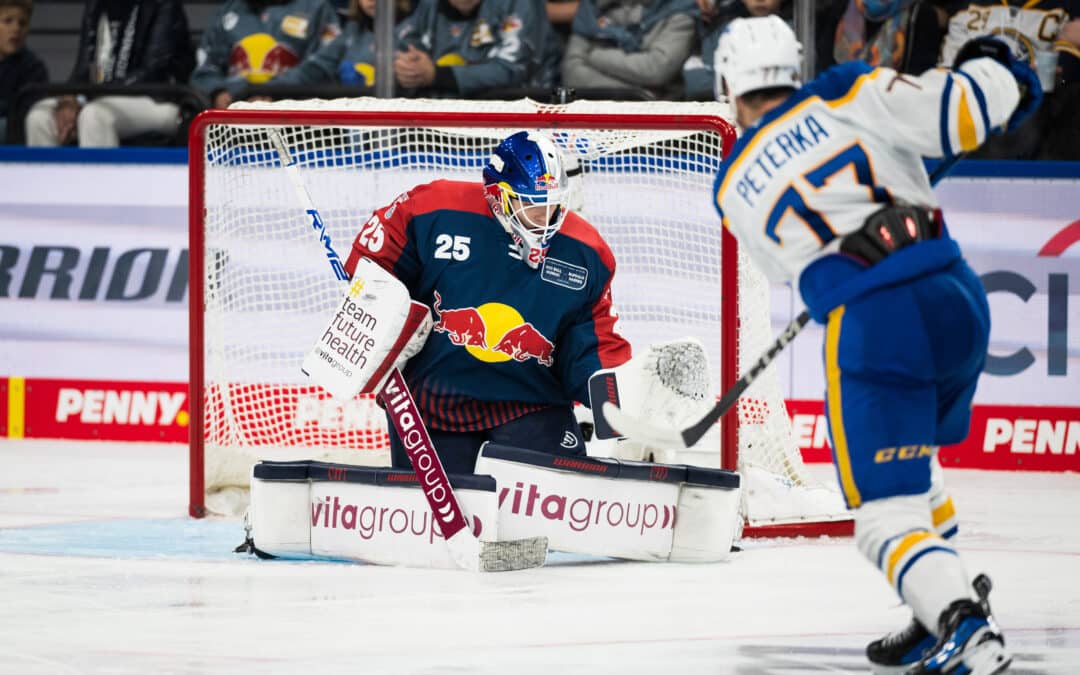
851, 141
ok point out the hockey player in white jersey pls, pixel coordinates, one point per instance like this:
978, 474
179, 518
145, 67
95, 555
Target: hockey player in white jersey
826, 188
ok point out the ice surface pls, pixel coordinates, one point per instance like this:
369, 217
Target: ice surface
101, 572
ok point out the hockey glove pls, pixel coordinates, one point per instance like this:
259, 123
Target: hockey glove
1030, 88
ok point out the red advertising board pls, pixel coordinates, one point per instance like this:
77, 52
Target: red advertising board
1004, 437
5, 413
111, 410
98, 410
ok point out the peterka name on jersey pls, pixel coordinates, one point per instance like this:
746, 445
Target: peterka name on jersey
794, 140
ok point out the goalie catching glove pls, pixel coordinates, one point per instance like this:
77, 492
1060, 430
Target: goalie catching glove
375, 328
669, 384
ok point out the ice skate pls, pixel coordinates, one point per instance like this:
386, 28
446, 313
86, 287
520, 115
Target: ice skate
894, 653
899, 650
970, 642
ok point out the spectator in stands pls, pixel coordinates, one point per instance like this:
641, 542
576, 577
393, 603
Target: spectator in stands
127, 42
900, 34
1062, 140
250, 42
465, 48
698, 73
349, 59
18, 65
1047, 35
560, 14
630, 44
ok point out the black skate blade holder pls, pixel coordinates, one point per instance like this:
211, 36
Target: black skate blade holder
983, 586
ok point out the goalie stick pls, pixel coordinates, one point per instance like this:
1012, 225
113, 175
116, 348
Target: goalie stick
644, 432
467, 551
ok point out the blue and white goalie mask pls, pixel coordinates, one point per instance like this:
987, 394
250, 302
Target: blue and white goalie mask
526, 186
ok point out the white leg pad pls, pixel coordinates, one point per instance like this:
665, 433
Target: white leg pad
708, 522
280, 515
631, 510
321, 510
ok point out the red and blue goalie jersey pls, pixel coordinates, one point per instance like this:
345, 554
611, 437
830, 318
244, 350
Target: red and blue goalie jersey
508, 340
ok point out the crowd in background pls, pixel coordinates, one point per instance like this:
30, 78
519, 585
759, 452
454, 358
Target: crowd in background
621, 49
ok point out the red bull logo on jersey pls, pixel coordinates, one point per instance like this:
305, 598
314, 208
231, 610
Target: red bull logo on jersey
464, 326
493, 333
524, 342
258, 58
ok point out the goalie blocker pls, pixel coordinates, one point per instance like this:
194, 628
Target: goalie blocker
375, 328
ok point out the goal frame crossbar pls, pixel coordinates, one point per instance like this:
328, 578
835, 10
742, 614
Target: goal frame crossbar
540, 119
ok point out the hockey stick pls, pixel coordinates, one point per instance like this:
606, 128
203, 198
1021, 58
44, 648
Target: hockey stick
467, 551
644, 432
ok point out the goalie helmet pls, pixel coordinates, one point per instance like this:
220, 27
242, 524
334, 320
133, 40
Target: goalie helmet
526, 187
757, 53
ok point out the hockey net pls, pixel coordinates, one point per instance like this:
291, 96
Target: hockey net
261, 288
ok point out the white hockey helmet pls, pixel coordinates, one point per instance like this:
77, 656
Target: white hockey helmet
757, 53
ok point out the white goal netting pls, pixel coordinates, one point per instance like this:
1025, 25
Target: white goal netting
267, 288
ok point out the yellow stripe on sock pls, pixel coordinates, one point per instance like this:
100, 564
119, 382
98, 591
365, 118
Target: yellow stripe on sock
905, 545
944, 512
16, 421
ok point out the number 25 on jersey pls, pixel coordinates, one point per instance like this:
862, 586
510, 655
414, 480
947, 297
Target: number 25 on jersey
372, 235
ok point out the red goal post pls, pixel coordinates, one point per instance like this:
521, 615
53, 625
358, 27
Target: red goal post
647, 171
